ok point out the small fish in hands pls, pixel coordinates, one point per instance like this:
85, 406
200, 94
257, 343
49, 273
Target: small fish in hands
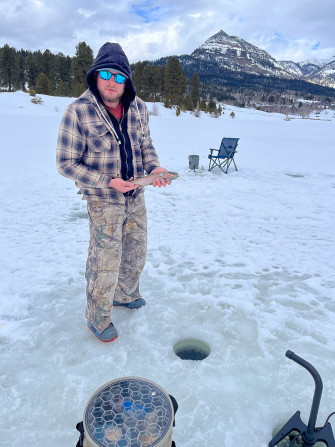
149, 179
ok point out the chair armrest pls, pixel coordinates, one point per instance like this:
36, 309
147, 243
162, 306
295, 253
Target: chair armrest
217, 150
231, 153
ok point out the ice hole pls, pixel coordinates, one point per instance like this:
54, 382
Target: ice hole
191, 349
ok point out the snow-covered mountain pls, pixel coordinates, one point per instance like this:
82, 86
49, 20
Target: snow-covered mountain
319, 71
235, 53
293, 68
325, 75
231, 61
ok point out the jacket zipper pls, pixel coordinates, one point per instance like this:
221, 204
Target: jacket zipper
123, 146
124, 143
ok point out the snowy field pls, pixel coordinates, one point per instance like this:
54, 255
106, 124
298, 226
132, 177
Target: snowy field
244, 262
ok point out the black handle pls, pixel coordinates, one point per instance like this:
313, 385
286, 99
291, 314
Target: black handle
317, 393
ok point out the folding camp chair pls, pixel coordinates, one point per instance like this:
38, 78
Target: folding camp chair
224, 156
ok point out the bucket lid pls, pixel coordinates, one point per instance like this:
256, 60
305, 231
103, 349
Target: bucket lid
129, 411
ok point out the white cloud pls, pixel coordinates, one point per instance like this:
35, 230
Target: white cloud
86, 12
149, 29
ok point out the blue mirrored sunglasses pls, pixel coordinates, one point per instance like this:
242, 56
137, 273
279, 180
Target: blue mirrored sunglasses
118, 78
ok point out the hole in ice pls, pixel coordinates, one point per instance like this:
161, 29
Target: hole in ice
191, 349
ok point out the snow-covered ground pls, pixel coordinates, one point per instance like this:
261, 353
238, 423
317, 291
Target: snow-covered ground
244, 262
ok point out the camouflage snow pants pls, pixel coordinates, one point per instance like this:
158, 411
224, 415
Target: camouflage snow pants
116, 256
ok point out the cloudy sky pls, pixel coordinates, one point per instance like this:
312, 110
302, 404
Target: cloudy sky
148, 29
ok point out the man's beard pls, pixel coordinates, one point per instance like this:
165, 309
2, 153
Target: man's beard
111, 101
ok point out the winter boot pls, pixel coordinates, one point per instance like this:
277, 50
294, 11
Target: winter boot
108, 334
132, 305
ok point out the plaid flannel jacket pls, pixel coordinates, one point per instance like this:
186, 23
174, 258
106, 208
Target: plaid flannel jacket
88, 151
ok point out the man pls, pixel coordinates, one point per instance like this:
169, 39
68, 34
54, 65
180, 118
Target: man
103, 143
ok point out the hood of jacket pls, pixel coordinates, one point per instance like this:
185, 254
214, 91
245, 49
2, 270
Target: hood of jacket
111, 56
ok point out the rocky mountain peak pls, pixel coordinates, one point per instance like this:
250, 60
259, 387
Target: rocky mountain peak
233, 53
236, 54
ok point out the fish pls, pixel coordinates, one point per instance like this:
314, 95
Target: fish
149, 179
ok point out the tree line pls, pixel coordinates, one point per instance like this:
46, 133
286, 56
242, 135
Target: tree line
60, 75
168, 83
46, 73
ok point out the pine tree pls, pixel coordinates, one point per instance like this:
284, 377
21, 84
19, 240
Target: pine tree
148, 80
203, 105
187, 103
62, 89
78, 89
174, 82
81, 63
62, 74
44, 85
158, 81
211, 106
9, 68
22, 72
151, 82
38, 58
195, 89
31, 71
138, 77
147, 83
47, 66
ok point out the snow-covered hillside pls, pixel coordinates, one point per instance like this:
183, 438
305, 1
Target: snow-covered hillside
243, 262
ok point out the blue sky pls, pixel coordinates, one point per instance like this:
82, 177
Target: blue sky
149, 13
287, 29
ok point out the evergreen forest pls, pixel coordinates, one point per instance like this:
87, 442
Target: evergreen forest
60, 75
194, 87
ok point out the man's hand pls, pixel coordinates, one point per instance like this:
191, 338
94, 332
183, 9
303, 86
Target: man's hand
160, 182
122, 185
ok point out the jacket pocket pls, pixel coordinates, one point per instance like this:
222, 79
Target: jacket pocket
100, 139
